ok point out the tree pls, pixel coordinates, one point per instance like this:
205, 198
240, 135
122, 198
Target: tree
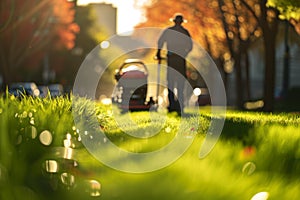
267, 19
290, 12
202, 21
223, 27
234, 26
90, 36
66, 62
241, 30
29, 29
289, 9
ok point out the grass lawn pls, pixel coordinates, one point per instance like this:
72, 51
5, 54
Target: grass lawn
257, 155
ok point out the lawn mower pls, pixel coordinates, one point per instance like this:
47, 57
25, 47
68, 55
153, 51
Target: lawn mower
130, 92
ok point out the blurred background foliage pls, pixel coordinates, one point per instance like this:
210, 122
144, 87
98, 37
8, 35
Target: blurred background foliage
49, 35
55, 36
30, 31
227, 29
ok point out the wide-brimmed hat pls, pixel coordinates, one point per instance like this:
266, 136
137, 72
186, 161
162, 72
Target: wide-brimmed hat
178, 17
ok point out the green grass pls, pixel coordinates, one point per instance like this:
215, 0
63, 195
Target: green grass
256, 152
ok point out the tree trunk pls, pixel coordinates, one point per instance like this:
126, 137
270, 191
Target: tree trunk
247, 75
270, 29
235, 53
286, 63
238, 81
270, 66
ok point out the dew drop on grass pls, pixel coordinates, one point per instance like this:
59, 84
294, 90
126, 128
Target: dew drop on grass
168, 129
19, 139
24, 114
1, 110
68, 153
260, 196
31, 121
249, 168
46, 137
67, 179
67, 143
51, 166
33, 132
93, 188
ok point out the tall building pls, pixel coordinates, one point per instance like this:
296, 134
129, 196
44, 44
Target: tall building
107, 17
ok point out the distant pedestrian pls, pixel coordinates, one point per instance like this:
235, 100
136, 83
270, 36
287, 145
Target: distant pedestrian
179, 44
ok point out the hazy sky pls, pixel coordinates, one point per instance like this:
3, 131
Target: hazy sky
128, 15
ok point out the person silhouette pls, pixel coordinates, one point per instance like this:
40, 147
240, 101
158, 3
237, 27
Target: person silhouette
179, 43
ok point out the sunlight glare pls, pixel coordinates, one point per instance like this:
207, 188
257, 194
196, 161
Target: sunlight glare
261, 196
106, 101
160, 100
128, 15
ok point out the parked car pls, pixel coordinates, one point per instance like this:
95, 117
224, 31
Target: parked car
24, 89
56, 90
43, 91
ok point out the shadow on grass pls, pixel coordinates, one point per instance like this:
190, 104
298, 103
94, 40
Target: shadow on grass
238, 131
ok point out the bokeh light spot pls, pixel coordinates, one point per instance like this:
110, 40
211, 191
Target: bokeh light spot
94, 188
249, 168
104, 44
261, 196
51, 166
197, 91
67, 179
46, 137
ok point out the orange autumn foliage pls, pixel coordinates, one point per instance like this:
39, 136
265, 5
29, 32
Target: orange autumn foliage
202, 20
29, 29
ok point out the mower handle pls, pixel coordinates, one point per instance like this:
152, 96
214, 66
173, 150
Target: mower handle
162, 58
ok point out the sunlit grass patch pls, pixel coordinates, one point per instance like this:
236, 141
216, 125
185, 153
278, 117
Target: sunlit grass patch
144, 132
257, 154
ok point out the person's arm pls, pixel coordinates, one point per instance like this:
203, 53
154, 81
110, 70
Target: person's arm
160, 44
189, 46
